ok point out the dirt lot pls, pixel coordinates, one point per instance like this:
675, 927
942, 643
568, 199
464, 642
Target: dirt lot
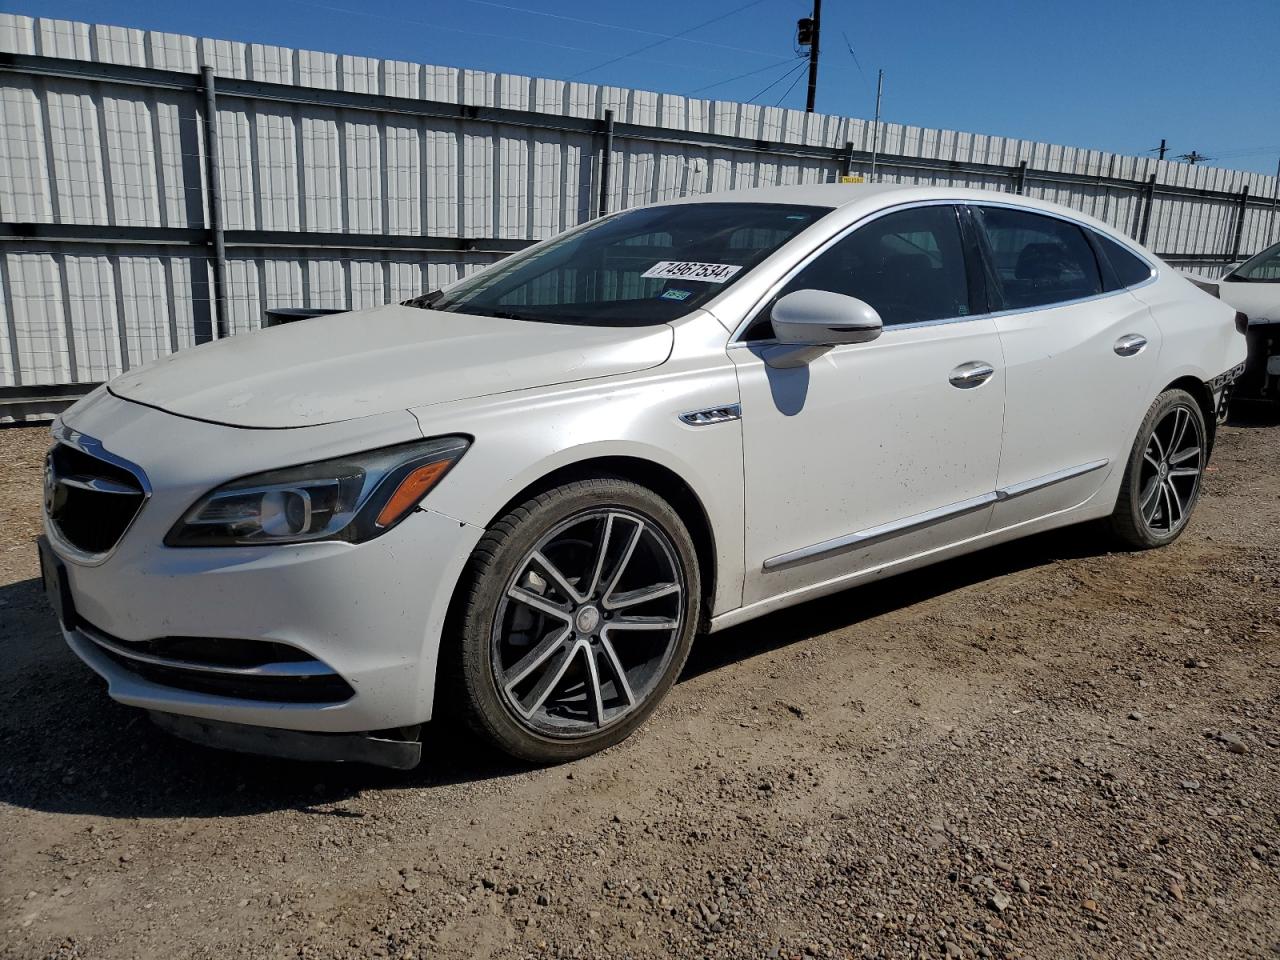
1046, 750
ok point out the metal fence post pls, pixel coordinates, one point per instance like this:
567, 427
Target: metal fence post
1020, 178
215, 198
606, 159
1148, 201
846, 159
1240, 212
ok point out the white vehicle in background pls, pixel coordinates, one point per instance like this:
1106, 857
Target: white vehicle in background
520, 498
1253, 288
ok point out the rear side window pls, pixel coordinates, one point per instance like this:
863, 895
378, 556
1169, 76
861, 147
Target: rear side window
908, 265
1038, 260
1129, 269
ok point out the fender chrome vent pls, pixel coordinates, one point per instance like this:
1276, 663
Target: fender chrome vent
704, 418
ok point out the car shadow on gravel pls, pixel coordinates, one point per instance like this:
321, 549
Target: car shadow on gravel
857, 604
66, 747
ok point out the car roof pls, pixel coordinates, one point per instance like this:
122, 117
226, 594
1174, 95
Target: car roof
859, 199
814, 194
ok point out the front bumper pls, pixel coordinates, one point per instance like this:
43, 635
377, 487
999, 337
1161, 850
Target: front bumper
399, 749
370, 614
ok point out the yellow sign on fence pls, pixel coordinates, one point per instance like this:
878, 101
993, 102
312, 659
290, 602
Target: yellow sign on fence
852, 178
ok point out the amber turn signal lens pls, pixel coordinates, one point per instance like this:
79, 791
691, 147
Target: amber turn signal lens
412, 489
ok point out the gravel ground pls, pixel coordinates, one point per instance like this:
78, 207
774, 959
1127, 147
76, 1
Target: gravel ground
1045, 750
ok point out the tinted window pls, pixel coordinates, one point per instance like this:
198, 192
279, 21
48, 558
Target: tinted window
643, 267
1128, 268
1038, 260
1264, 268
908, 265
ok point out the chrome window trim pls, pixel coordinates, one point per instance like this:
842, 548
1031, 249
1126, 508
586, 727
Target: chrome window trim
751, 315
1053, 214
92, 447
929, 518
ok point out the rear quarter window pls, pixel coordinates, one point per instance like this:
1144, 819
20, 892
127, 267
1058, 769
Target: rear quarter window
1129, 269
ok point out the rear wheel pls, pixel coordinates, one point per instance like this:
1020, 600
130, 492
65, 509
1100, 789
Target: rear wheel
582, 606
1164, 472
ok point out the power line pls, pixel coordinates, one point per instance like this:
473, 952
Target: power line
677, 36
797, 70
1246, 152
479, 33
618, 26
749, 73
789, 89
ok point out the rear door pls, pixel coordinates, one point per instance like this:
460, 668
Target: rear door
1080, 356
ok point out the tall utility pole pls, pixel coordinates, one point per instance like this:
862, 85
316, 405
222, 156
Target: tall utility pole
813, 56
1163, 148
1275, 199
875, 130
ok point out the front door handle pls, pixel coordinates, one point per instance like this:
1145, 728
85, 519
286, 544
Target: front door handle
972, 374
1130, 345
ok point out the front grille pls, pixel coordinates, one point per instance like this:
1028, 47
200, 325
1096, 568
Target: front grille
244, 669
90, 500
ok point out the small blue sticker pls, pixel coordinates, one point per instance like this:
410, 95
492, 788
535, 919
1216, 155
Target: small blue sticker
677, 295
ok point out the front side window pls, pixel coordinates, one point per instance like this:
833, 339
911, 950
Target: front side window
639, 268
1038, 260
1264, 268
909, 265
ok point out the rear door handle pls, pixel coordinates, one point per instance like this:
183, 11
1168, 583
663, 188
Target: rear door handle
972, 374
1130, 345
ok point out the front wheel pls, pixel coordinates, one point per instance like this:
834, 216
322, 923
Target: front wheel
1163, 475
582, 605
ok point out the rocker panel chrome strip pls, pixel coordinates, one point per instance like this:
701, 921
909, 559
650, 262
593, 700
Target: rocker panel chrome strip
920, 521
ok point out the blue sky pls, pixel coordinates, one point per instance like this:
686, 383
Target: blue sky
1111, 74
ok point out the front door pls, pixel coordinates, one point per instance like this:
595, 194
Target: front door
873, 452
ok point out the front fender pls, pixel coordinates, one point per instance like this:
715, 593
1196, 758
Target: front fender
520, 438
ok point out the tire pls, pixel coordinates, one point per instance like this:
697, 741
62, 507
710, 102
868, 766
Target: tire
1164, 472
540, 599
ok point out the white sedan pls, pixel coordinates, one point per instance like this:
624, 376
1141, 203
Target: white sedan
516, 501
1253, 288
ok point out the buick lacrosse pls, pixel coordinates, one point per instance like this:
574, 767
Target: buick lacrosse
517, 500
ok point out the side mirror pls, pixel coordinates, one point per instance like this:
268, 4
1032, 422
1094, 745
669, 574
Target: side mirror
822, 318
807, 323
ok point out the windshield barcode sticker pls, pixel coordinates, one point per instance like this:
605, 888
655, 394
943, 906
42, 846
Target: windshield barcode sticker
688, 270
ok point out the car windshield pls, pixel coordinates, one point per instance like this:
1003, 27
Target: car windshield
1264, 268
639, 268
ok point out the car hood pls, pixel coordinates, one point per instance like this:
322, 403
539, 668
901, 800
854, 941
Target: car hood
350, 365
1261, 301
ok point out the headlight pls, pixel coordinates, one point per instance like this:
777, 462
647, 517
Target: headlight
352, 498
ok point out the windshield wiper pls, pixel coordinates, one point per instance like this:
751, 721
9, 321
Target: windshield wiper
424, 300
508, 315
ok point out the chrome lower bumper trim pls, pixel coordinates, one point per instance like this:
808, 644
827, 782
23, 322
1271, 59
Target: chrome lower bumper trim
301, 669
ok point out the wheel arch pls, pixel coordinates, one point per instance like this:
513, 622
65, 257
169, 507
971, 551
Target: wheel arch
1204, 399
663, 481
